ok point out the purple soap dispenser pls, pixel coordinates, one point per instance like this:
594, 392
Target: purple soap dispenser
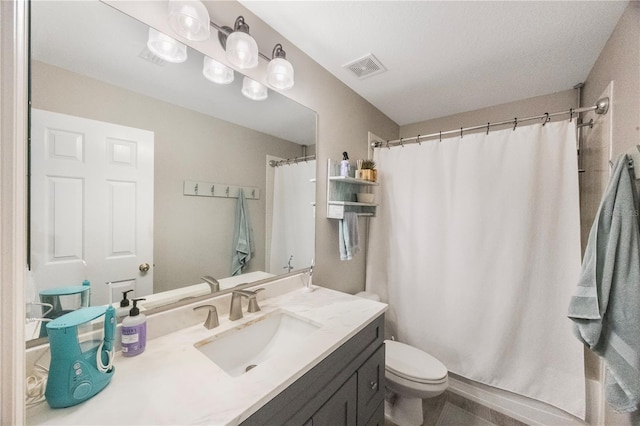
134, 331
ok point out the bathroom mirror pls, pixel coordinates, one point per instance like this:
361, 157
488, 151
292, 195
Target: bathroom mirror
90, 62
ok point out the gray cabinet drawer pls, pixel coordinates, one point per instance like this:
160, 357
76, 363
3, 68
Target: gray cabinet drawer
370, 385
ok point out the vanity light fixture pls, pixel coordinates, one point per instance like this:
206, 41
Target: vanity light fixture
216, 72
254, 90
166, 47
279, 70
242, 49
190, 19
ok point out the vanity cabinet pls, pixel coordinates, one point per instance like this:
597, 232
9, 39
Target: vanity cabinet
346, 388
341, 193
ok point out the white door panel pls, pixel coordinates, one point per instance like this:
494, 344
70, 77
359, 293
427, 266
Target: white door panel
91, 204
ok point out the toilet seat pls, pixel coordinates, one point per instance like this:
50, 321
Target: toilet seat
413, 364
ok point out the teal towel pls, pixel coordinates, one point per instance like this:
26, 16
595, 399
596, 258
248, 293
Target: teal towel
242, 237
605, 307
348, 237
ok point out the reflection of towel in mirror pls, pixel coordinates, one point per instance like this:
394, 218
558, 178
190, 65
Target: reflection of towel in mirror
242, 237
349, 239
606, 305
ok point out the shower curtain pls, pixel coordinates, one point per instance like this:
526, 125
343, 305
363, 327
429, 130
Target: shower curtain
476, 248
293, 224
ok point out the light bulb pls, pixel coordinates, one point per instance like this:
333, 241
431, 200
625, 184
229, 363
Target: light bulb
280, 74
166, 47
254, 90
217, 72
190, 19
242, 49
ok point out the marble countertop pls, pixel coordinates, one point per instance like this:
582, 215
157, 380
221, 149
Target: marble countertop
174, 383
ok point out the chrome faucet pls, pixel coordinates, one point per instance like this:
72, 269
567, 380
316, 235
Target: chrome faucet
235, 313
288, 266
212, 317
213, 283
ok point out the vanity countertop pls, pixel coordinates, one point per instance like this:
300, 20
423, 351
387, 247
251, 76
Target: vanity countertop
174, 383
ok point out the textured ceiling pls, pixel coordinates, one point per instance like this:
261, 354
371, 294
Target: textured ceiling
448, 57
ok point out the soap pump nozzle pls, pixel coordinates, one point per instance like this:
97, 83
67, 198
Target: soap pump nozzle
135, 311
125, 302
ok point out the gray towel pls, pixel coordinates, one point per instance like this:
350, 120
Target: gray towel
242, 237
349, 238
605, 307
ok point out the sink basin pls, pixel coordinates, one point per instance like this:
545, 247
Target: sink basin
239, 350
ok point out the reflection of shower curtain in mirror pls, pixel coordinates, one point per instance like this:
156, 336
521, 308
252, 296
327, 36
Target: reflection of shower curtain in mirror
293, 224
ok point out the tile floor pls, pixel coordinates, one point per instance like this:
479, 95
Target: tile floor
450, 409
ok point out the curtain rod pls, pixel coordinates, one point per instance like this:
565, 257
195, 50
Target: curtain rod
277, 163
601, 107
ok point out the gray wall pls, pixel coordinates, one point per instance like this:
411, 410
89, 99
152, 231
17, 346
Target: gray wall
192, 235
619, 62
524, 108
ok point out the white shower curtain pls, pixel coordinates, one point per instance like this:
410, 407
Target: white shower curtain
293, 224
476, 248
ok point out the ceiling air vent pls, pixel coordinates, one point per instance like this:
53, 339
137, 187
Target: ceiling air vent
148, 55
366, 67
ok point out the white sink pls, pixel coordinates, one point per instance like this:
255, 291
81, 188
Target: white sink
239, 350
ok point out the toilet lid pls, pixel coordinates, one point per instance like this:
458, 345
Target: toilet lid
413, 364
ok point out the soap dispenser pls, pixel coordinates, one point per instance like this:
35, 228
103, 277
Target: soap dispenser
344, 165
134, 331
124, 303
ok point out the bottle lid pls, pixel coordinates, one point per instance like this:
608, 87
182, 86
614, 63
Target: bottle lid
125, 302
135, 311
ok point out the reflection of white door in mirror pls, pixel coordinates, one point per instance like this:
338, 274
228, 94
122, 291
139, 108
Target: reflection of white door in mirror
74, 187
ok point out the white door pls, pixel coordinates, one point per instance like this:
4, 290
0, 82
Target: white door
91, 205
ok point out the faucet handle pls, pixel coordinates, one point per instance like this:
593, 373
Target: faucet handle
212, 317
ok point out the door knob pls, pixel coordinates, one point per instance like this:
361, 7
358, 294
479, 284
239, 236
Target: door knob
144, 267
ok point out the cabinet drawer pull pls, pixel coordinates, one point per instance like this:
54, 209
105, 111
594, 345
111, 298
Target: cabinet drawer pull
373, 385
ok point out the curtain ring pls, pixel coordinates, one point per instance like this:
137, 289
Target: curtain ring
515, 123
546, 119
460, 132
418, 140
488, 124
440, 135
570, 114
388, 144
401, 143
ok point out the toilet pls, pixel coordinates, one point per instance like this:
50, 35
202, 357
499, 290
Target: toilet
411, 375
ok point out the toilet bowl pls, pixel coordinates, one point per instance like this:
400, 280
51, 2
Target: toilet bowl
411, 376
